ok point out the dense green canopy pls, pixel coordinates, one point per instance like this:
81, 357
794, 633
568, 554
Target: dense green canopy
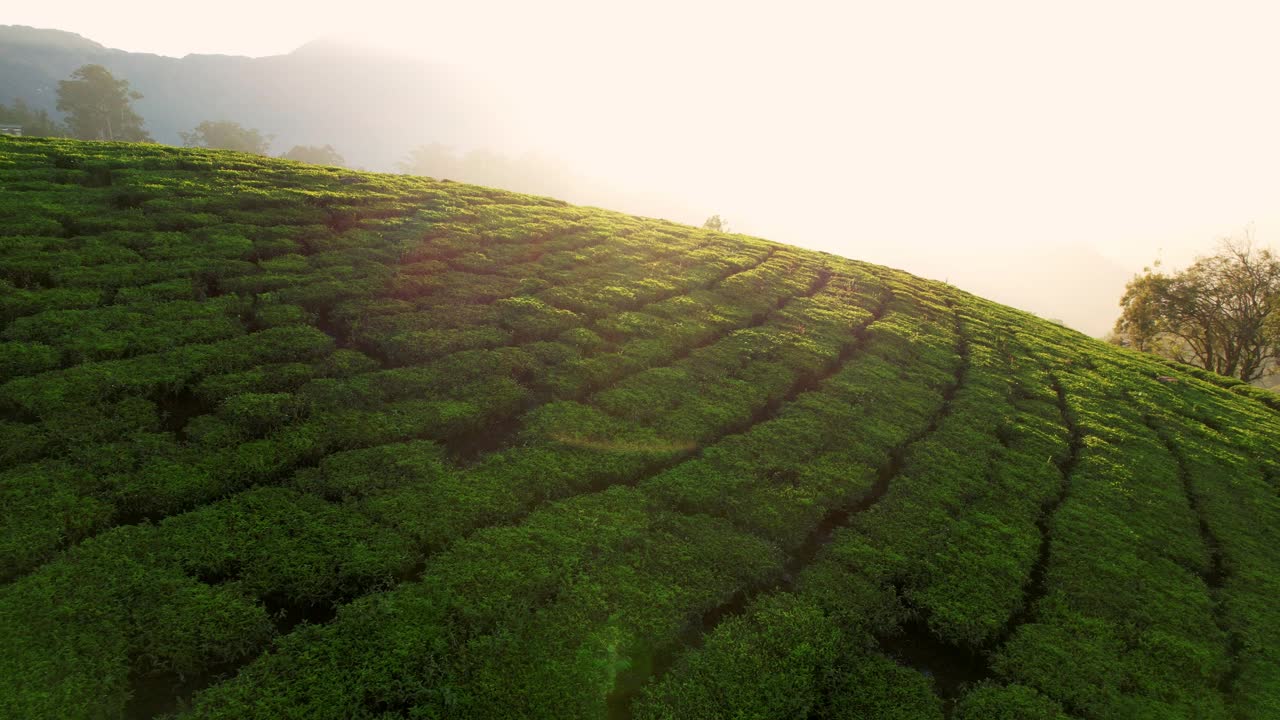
99, 106
288, 441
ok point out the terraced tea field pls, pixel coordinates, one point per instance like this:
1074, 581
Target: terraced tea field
283, 441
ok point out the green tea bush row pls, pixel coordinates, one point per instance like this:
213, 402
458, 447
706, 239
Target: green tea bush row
1125, 543
554, 647
308, 442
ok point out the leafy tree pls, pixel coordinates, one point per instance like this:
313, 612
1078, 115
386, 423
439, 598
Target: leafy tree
35, 123
315, 154
227, 135
715, 222
99, 107
1221, 314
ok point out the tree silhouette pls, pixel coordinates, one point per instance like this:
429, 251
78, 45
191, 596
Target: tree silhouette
315, 154
227, 135
715, 222
99, 107
1222, 313
35, 123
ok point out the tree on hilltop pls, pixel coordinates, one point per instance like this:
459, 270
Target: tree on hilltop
315, 154
227, 135
715, 222
1221, 314
99, 107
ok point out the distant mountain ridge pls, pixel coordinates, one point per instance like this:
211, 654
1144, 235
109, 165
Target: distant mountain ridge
18, 35
318, 94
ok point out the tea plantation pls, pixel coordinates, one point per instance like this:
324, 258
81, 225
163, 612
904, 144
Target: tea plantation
285, 441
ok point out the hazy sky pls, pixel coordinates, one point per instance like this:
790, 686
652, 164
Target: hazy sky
972, 141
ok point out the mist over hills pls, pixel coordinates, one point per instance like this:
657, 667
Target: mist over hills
373, 108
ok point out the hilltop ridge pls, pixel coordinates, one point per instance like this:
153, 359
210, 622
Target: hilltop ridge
24, 35
286, 441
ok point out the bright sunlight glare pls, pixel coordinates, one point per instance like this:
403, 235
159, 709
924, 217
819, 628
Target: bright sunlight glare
1032, 152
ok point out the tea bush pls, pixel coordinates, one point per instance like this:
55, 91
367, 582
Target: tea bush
288, 441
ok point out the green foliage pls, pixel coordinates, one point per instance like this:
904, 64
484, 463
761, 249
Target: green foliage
715, 223
1221, 314
313, 443
35, 123
529, 317
100, 107
768, 662
1008, 702
227, 135
26, 358
315, 154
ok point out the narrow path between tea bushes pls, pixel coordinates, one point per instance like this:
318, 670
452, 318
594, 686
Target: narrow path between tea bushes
1215, 576
631, 683
1036, 587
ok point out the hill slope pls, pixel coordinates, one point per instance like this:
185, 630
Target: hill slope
283, 441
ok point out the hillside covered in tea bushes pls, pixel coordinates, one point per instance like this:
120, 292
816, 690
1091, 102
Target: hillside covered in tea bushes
285, 441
